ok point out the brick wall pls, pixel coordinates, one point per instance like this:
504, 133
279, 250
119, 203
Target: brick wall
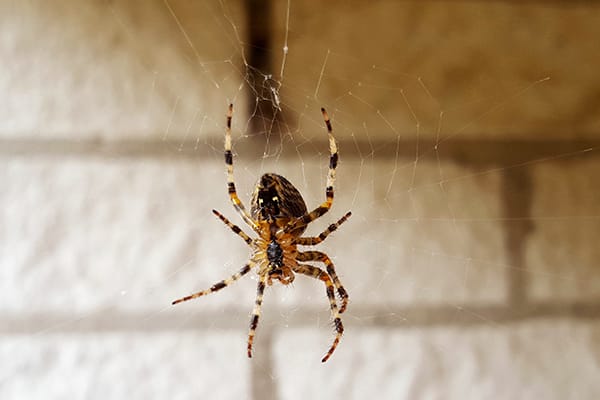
468, 136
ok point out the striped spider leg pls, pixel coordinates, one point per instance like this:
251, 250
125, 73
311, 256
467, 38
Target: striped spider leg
278, 215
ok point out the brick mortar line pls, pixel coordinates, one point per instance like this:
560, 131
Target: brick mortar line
230, 319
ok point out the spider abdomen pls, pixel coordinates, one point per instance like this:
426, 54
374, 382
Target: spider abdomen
275, 198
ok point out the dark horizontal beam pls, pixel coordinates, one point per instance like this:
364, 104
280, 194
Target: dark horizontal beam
471, 152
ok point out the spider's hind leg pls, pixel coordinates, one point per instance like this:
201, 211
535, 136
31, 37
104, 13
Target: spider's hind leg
323, 258
318, 273
260, 290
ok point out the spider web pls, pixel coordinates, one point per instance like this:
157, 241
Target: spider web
444, 194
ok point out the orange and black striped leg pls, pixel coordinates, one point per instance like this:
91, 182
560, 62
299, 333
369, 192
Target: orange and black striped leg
260, 290
322, 257
318, 273
219, 285
311, 241
236, 229
235, 200
324, 207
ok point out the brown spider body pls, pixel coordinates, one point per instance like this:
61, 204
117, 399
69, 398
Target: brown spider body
275, 203
278, 215
275, 198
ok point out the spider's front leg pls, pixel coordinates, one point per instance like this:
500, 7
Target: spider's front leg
325, 206
235, 200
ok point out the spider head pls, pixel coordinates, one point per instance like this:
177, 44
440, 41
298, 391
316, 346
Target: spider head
275, 198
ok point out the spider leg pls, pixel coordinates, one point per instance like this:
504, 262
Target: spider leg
235, 200
324, 207
219, 285
322, 257
260, 290
311, 241
236, 229
318, 273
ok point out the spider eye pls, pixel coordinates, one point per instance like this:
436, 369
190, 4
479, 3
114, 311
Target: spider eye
268, 202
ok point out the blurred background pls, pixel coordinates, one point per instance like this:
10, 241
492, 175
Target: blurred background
469, 139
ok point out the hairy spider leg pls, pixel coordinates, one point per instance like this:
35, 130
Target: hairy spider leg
323, 258
318, 273
219, 285
260, 290
330, 279
314, 240
325, 206
236, 229
235, 200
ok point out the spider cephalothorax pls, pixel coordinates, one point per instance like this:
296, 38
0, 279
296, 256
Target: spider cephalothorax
278, 215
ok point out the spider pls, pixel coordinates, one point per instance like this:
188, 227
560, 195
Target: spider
278, 215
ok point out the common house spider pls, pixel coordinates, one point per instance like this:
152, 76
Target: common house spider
279, 217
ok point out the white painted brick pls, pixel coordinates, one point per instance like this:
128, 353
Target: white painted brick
82, 235
81, 238
79, 235
546, 359
124, 366
93, 69
414, 244
476, 61
562, 251
125, 69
